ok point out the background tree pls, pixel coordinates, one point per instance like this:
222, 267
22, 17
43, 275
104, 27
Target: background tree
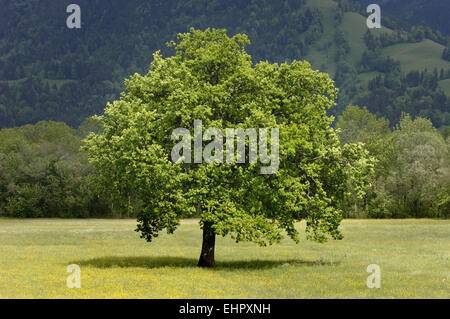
43, 174
211, 78
358, 125
417, 183
412, 170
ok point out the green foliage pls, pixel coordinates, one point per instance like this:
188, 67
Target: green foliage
343, 48
213, 79
42, 174
374, 61
445, 131
412, 169
419, 170
446, 54
358, 125
416, 93
443, 204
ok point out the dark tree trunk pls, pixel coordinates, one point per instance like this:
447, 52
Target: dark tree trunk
209, 241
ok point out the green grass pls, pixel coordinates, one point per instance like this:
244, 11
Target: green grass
323, 51
418, 56
116, 263
412, 56
445, 86
367, 76
354, 27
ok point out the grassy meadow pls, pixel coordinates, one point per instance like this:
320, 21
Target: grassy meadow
427, 52
414, 256
412, 56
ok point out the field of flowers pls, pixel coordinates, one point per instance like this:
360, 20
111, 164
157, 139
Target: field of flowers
413, 255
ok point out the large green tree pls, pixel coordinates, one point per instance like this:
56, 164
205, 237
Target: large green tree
211, 78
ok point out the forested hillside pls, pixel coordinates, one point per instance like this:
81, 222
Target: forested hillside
50, 72
432, 13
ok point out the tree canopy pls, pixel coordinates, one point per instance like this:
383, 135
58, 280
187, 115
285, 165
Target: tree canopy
412, 170
43, 174
211, 78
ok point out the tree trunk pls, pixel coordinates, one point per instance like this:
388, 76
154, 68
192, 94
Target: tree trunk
209, 241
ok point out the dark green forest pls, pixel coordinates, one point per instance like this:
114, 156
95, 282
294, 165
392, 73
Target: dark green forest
50, 72
52, 79
431, 13
47, 69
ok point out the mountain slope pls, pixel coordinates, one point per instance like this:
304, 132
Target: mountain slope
49, 72
432, 13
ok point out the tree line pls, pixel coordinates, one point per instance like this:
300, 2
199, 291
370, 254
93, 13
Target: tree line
412, 170
43, 173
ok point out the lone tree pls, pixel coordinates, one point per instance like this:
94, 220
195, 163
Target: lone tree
211, 78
